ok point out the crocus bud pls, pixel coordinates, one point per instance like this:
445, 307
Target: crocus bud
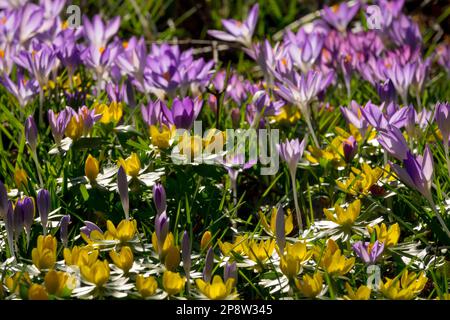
43, 205
386, 91
64, 229
186, 253
31, 133
91, 168
89, 227
122, 185
209, 261
206, 240
27, 210
350, 147
235, 117
3, 201
161, 229
442, 117
159, 198
230, 272
9, 225
18, 220
280, 230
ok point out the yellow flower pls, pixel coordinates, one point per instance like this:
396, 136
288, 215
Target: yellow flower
124, 260
20, 177
406, 287
80, 256
146, 286
55, 282
344, 217
296, 254
125, 231
288, 222
214, 140
44, 256
161, 138
172, 258
190, 145
387, 236
362, 293
288, 115
112, 113
217, 290
91, 168
260, 251
290, 266
131, 165
15, 282
309, 286
334, 262
205, 243
173, 282
74, 129
168, 243
370, 134
362, 182
239, 246
333, 153
37, 292
97, 274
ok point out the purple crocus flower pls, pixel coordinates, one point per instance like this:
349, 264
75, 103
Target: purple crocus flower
291, 152
209, 263
64, 229
340, 15
377, 119
31, 19
132, 61
10, 226
3, 201
280, 233
122, 186
184, 112
368, 252
305, 48
67, 51
393, 141
24, 216
238, 31
98, 33
161, 229
386, 91
186, 254
401, 77
350, 147
442, 116
58, 123
24, 91
230, 272
89, 227
353, 115
443, 54
262, 105
43, 204
31, 133
153, 113
159, 198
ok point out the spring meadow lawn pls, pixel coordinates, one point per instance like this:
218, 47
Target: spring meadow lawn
224, 150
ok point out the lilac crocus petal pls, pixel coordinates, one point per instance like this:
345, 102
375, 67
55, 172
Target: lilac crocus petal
230, 272
280, 230
209, 261
442, 117
186, 253
291, 152
159, 198
31, 133
10, 227
59, 122
361, 251
43, 204
393, 141
368, 252
386, 91
89, 227
28, 211
339, 16
64, 229
4, 204
374, 116
161, 229
376, 251
122, 186
350, 147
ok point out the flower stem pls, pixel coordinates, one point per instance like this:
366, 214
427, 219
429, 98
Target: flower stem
297, 208
447, 157
38, 167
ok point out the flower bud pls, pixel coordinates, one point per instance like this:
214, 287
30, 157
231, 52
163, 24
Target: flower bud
43, 205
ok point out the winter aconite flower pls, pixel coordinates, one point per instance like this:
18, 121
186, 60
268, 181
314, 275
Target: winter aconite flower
37, 292
97, 273
362, 293
217, 289
58, 283
80, 256
146, 286
173, 282
308, 286
344, 216
404, 287
20, 177
388, 236
161, 136
91, 168
123, 259
131, 165
334, 262
44, 255
124, 232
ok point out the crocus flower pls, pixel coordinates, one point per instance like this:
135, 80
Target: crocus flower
64, 229
31, 133
368, 252
350, 147
98, 33
10, 226
209, 261
43, 205
161, 229
340, 15
31, 18
280, 230
238, 31
401, 77
3, 201
184, 112
377, 119
393, 141
230, 272
24, 91
186, 254
386, 91
58, 123
159, 198
89, 227
353, 115
24, 215
305, 48
442, 116
153, 114
122, 186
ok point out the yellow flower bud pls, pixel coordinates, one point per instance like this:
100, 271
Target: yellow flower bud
146, 285
172, 259
173, 282
161, 139
125, 231
205, 243
309, 286
97, 274
20, 177
124, 260
91, 168
74, 129
44, 255
55, 281
37, 292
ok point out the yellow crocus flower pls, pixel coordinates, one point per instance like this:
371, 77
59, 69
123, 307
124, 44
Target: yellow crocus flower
387, 236
217, 290
287, 115
333, 153
91, 168
173, 282
125, 231
97, 274
37, 292
131, 165
360, 182
146, 286
309, 286
20, 177
344, 217
112, 113
161, 137
288, 222
14, 282
44, 255
362, 293
406, 287
123, 259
